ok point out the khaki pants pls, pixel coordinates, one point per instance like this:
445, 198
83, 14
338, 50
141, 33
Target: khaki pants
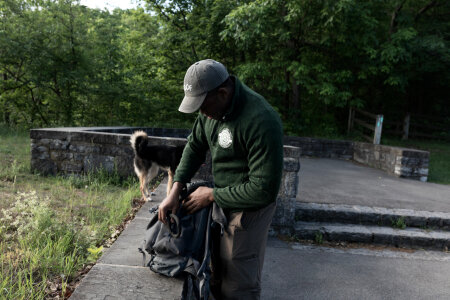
242, 249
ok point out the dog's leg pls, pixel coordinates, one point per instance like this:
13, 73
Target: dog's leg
141, 175
169, 182
147, 179
143, 186
152, 173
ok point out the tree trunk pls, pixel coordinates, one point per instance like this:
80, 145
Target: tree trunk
295, 100
393, 25
287, 94
295, 104
6, 116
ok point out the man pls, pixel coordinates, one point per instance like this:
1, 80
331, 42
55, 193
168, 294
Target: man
245, 137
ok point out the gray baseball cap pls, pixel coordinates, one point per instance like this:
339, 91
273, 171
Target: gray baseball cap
202, 77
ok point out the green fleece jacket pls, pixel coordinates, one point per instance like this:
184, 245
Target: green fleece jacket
246, 151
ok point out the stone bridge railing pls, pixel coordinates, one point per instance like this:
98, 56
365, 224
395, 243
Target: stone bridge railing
397, 161
82, 150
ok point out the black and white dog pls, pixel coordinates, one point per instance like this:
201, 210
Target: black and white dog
148, 160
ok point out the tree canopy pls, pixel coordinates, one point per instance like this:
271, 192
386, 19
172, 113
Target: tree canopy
63, 64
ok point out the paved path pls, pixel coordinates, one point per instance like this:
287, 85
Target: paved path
296, 271
345, 182
311, 272
291, 271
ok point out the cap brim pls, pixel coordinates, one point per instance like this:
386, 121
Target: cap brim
191, 104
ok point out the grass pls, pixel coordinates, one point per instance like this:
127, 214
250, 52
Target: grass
439, 168
318, 238
399, 223
51, 228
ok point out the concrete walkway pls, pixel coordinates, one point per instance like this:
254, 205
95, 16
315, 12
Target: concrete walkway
346, 182
296, 271
291, 271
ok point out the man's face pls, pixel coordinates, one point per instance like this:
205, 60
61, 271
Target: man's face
212, 106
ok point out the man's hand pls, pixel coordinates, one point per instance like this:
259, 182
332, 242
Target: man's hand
201, 197
170, 202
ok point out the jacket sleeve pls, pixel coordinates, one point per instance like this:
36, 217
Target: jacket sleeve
264, 143
194, 154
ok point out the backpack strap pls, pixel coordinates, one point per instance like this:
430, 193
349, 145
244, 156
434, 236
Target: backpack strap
141, 250
218, 217
196, 281
207, 247
152, 222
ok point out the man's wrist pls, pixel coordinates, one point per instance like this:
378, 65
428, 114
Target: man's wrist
211, 195
179, 185
177, 188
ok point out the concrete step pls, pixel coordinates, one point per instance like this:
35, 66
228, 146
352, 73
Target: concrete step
355, 214
408, 238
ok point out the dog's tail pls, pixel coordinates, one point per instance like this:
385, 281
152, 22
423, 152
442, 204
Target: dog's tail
139, 140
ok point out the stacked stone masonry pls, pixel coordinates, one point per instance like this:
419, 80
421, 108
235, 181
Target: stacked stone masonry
76, 150
401, 162
284, 216
321, 147
81, 150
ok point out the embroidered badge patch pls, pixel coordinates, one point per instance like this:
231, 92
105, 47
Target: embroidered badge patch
225, 138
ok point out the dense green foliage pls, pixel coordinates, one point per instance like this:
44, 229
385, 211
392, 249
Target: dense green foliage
63, 64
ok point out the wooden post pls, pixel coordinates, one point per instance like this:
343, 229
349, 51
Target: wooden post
378, 128
406, 126
351, 117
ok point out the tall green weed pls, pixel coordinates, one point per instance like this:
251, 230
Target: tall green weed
42, 247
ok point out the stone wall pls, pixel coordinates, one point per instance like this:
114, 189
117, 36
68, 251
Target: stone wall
401, 162
321, 147
284, 218
75, 151
161, 132
81, 149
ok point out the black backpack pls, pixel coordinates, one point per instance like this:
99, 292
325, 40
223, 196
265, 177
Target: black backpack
183, 248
